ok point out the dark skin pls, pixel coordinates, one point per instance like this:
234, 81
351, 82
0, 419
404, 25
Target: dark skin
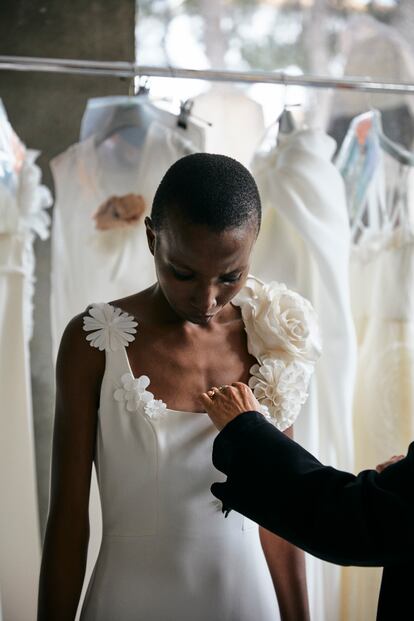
189, 338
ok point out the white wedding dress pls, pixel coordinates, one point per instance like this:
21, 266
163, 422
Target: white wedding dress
167, 550
305, 242
88, 263
382, 285
382, 270
23, 204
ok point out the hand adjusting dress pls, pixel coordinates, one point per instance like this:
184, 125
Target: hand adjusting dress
167, 552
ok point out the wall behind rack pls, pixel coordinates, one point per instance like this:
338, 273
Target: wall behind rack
45, 110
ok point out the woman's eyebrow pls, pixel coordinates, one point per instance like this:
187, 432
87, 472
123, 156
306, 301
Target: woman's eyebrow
233, 272
179, 265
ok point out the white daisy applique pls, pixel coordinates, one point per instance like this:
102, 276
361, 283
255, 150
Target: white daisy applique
110, 328
136, 397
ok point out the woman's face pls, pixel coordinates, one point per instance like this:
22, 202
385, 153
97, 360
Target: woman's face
199, 271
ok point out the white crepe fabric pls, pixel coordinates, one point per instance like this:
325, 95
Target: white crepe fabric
92, 264
237, 122
305, 242
167, 550
22, 203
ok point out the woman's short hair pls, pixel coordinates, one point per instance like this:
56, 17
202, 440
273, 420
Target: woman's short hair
208, 189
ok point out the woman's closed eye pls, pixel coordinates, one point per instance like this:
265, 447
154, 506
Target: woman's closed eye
226, 278
181, 275
231, 277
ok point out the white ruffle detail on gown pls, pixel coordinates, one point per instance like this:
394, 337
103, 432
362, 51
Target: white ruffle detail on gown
283, 335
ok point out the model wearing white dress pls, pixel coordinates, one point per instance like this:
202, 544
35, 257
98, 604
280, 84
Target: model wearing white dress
167, 551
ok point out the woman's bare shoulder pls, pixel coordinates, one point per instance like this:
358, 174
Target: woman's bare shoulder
75, 352
137, 305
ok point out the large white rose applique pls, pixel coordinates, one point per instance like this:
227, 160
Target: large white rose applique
283, 335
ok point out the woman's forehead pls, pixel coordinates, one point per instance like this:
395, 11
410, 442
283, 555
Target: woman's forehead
193, 243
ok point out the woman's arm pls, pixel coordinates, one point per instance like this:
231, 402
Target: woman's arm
286, 564
78, 377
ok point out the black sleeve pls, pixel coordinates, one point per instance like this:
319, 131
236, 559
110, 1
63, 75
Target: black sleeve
350, 520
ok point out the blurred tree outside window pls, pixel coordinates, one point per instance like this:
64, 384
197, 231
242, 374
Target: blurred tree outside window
297, 36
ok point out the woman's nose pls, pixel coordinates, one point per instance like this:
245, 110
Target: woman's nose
205, 300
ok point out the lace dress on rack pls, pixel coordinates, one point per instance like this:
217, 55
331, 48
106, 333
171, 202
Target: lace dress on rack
23, 201
382, 285
304, 241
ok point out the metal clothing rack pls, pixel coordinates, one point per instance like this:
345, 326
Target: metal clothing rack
131, 70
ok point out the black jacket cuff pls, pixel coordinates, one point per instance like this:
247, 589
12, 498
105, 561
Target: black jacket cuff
231, 439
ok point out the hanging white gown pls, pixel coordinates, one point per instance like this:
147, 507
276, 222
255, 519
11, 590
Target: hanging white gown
91, 264
382, 270
305, 242
22, 215
88, 263
237, 122
382, 278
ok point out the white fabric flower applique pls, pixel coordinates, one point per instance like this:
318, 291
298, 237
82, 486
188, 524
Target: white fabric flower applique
281, 387
110, 328
283, 335
137, 398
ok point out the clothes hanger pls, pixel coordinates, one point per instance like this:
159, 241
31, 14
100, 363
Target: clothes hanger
389, 208
286, 121
395, 150
130, 117
185, 112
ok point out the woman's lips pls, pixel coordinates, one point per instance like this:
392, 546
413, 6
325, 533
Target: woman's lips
200, 318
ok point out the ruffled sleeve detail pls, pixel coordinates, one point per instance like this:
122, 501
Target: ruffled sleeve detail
283, 335
110, 328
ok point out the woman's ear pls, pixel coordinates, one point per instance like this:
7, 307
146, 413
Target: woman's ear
150, 235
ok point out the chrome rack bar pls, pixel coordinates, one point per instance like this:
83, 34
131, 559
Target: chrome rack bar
130, 70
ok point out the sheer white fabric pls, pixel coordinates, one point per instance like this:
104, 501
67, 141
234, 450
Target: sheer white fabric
22, 204
304, 242
381, 283
382, 271
237, 123
88, 263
